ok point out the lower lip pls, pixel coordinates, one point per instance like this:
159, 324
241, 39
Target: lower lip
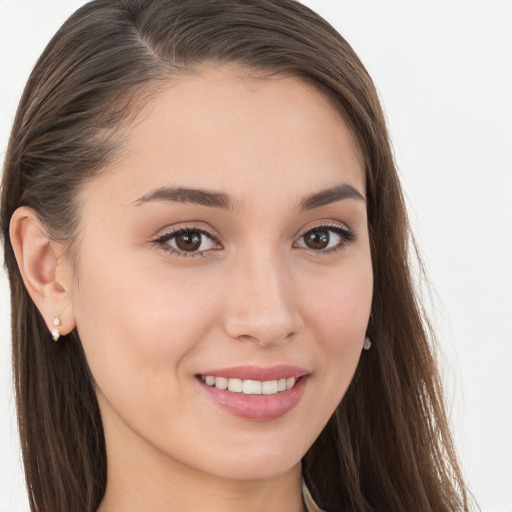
257, 407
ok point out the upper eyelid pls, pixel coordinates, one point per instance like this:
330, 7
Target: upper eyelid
324, 224
170, 231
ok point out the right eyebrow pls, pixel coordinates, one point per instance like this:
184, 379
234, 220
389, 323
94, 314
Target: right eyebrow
188, 195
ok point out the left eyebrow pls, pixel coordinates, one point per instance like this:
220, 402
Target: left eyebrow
331, 195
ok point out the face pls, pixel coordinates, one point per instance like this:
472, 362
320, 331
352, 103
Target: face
227, 247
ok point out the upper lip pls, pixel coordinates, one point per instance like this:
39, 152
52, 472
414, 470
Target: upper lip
282, 371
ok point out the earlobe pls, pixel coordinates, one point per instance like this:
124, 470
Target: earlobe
39, 265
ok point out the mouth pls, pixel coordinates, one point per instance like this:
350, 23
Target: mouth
257, 394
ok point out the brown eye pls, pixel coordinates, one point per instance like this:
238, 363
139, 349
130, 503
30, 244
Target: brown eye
317, 239
326, 238
188, 241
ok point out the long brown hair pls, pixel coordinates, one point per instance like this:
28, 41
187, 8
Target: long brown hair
388, 446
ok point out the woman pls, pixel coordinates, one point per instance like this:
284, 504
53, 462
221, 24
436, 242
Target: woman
207, 247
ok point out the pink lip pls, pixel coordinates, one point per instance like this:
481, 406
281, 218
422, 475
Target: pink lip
281, 371
258, 407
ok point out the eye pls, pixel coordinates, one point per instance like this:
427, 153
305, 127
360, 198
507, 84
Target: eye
326, 238
188, 242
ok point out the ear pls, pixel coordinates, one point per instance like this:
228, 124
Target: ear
47, 281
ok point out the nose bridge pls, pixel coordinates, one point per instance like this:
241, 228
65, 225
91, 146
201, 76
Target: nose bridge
262, 304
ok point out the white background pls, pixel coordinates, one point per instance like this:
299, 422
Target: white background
444, 71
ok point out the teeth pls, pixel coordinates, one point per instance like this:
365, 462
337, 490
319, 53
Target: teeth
235, 385
281, 385
249, 387
220, 383
269, 387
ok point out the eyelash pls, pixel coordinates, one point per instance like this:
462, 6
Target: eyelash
163, 241
347, 237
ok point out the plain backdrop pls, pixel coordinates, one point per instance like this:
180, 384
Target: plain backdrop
443, 69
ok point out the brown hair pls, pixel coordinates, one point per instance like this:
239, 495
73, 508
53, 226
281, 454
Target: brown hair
388, 445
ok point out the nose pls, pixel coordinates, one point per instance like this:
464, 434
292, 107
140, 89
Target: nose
262, 305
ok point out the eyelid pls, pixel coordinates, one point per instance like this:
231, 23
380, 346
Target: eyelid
167, 234
191, 225
347, 235
327, 224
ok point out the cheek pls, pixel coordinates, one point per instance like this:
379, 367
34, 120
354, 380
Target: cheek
136, 322
337, 313
340, 304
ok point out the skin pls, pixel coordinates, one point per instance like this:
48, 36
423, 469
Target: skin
151, 320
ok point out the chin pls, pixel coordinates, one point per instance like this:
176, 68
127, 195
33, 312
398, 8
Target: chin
257, 470
261, 463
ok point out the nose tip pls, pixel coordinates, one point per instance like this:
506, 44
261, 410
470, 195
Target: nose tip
262, 306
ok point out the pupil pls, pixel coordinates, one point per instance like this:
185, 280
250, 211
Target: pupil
189, 241
317, 239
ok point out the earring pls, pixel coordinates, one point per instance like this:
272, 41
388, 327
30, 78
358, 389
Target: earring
367, 343
55, 332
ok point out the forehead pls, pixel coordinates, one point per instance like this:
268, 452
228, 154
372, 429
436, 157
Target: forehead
222, 129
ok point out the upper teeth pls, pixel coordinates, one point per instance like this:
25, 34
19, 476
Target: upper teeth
250, 387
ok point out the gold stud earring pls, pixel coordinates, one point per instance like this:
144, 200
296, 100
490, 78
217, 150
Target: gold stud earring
367, 343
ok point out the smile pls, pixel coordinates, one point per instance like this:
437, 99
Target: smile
254, 393
249, 387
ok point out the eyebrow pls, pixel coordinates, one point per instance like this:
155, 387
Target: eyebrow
331, 195
189, 195
221, 200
